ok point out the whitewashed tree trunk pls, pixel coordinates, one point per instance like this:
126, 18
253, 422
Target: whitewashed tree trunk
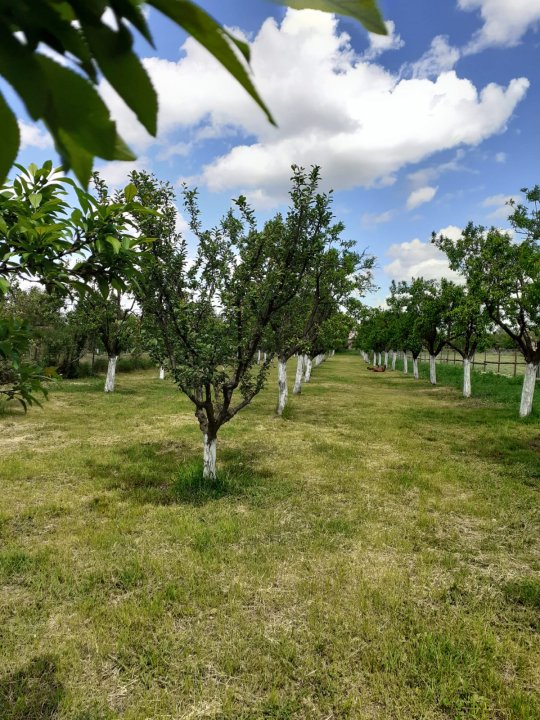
282, 386
111, 374
432, 370
258, 357
209, 458
405, 363
394, 356
466, 377
527, 393
386, 358
299, 373
379, 359
374, 358
318, 360
415, 368
309, 365
162, 373
264, 357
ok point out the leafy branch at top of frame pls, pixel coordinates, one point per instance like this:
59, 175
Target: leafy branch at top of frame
98, 43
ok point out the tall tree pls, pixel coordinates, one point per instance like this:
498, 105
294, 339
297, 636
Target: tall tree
506, 275
208, 316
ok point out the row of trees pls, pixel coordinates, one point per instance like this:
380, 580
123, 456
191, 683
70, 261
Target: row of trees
500, 291
281, 288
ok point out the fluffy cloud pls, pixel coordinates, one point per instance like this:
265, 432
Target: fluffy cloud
332, 108
505, 22
382, 43
371, 219
499, 203
115, 173
421, 259
33, 136
421, 196
441, 57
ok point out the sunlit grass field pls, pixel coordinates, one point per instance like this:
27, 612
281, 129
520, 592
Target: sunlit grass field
373, 554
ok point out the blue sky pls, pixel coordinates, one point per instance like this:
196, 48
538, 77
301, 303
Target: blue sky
433, 127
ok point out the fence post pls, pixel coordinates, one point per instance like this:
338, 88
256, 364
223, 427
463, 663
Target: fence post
499, 363
515, 363
485, 360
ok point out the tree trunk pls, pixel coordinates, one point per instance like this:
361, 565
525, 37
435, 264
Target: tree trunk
162, 373
264, 357
111, 374
309, 365
258, 357
299, 372
432, 370
386, 358
415, 368
527, 394
394, 355
209, 457
466, 377
405, 362
380, 360
282, 385
374, 358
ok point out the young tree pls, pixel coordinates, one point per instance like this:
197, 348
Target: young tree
208, 317
505, 275
468, 325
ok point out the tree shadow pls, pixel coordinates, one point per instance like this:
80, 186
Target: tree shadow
32, 693
165, 473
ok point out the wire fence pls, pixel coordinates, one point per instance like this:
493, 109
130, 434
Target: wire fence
501, 362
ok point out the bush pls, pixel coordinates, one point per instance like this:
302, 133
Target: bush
124, 365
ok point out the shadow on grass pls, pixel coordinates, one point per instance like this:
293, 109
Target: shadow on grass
32, 693
169, 472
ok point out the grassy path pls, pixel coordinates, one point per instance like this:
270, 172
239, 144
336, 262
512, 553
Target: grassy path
375, 554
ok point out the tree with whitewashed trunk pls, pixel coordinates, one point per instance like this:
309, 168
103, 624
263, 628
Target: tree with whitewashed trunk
402, 328
313, 317
505, 274
210, 315
112, 321
468, 330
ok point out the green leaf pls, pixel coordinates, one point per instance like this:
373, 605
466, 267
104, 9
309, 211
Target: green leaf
76, 107
214, 38
9, 147
365, 11
114, 243
35, 199
130, 191
124, 71
4, 286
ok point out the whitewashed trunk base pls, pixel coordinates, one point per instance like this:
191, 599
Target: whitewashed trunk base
209, 458
466, 377
111, 374
394, 357
415, 368
432, 370
386, 358
527, 393
258, 357
162, 373
283, 391
405, 363
299, 373
309, 366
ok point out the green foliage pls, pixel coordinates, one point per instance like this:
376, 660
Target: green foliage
19, 380
366, 11
66, 98
505, 274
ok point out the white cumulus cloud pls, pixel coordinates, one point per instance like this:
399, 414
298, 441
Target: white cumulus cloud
499, 203
441, 57
421, 196
382, 43
33, 136
358, 121
505, 21
421, 259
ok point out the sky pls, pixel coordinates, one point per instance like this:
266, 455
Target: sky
423, 130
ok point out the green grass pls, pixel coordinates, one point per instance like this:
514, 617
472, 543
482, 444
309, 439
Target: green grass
375, 554
485, 385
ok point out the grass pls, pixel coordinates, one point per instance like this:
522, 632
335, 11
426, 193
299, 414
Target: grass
486, 386
373, 555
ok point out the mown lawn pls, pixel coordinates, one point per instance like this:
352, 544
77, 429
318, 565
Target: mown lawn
374, 554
